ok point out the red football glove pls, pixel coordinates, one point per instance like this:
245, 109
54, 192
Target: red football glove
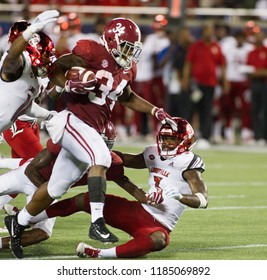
164, 117
154, 197
79, 87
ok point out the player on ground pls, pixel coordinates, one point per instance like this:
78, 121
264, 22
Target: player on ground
78, 128
175, 182
29, 57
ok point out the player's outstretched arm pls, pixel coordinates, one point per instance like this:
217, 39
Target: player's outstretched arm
199, 196
132, 160
138, 193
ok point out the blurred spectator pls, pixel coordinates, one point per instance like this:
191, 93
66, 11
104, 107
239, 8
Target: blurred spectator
258, 75
250, 29
178, 101
236, 104
203, 58
143, 85
159, 43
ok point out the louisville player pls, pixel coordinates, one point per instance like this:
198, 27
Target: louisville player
78, 128
29, 176
175, 182
30, 55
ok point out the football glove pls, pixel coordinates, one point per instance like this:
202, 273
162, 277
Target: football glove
154, 197
164, 117
79, 87
40, 22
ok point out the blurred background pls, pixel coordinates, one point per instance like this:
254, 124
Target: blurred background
218, 88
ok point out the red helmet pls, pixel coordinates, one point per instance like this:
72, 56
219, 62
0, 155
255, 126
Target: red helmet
122, 39
171, 143
109, 134
42, 52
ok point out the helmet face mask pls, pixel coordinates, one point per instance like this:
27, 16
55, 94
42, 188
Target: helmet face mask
171, 143
122, 39
42, 52
109, 135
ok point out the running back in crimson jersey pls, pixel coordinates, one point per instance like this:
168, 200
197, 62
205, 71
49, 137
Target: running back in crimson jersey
112, 79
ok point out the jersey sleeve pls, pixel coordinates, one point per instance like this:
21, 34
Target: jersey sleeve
53, 148
196, 163
83, 49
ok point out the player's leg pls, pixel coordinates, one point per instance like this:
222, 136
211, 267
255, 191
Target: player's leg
87, 145
129, 216
136, 247
23, 138
33, 236
65, 172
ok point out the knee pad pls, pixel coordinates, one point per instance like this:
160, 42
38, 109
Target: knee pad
58, 189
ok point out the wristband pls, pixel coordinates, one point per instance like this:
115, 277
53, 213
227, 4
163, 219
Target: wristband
202, 199
179, 196
27, 34
59, 89
153, 110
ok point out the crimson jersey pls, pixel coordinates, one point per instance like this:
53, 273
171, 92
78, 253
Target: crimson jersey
95, 108
115, 171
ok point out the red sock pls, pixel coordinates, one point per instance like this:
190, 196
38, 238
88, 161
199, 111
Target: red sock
62, 208
136, 247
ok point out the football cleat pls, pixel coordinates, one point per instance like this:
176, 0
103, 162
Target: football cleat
83, 250
99, 231
15, 231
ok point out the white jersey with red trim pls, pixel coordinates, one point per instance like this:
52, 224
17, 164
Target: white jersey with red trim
16, 97
168, 173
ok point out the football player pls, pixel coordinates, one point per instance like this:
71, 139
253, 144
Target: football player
175, 181
78, 128
32, 174
30, 55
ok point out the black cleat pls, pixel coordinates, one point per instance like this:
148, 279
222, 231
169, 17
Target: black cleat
99, 231
15, 231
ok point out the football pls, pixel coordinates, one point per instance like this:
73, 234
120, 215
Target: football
81, 74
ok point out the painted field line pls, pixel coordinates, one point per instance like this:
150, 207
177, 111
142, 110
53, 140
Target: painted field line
226, 184
230, 208
248, 246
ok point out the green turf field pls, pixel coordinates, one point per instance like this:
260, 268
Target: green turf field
233, 227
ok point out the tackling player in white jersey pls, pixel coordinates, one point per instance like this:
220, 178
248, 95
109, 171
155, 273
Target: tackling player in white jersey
30, 55
175, 182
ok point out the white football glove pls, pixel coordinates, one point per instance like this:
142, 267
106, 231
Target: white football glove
172, 192
40, 22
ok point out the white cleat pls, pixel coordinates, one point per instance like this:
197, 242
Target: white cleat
83, 250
